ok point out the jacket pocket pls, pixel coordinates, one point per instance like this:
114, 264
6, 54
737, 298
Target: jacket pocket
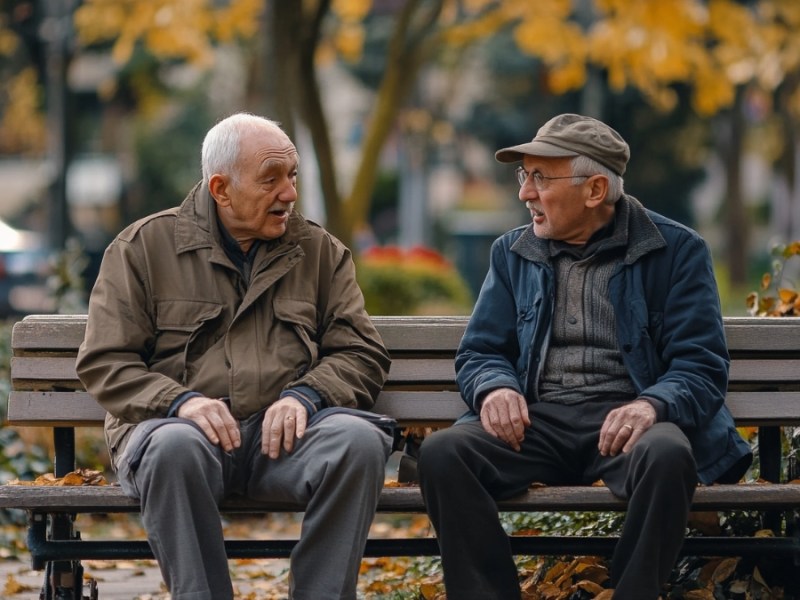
178, 324
299, 317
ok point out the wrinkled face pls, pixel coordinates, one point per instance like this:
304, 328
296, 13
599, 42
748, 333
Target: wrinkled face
257, 203
562, 210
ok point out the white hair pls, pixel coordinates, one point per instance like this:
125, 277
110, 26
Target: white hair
583, 165
221, 145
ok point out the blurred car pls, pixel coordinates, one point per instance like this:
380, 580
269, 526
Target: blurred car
24, 268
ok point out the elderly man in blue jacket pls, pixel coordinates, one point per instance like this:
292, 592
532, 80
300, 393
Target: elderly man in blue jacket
596, 350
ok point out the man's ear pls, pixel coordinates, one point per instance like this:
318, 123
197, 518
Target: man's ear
218, 188
598, 190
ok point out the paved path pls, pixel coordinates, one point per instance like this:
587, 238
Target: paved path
141, 580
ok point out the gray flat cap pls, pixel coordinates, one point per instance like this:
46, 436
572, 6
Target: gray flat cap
573, 135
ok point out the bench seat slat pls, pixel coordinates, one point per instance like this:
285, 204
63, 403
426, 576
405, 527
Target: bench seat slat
409, 499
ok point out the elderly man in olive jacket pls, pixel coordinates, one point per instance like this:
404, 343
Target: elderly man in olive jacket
223, 337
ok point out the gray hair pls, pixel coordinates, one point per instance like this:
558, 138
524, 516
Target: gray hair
583, 165
221, 144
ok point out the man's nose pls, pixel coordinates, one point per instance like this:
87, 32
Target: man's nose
527, 191
288, 193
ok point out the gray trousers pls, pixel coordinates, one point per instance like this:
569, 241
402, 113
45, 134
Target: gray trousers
179, 477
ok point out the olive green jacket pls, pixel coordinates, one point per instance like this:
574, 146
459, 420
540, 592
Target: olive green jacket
170, 313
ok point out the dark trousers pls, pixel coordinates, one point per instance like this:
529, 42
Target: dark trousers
463, 470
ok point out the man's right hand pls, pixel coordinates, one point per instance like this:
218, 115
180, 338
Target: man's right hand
504, 414
214, 418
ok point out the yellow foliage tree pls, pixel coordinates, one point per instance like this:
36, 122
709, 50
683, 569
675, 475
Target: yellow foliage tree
22, 128
714, 46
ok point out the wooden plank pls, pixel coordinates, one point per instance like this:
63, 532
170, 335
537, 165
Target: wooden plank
763, 334
48, 332
32, 408
65, 332
773, 370
53, 409
764, 408
427, 371
421, 334
412, 370
46, 372
408, 499
43, 368
428, 407
79, 409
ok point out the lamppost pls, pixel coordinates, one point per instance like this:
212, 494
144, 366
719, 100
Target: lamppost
55, 31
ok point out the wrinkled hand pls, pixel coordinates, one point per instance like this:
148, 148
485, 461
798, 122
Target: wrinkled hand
504, 414
214, 418
624, 425
283, 422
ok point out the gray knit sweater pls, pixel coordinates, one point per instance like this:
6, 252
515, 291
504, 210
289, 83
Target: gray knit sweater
583, 360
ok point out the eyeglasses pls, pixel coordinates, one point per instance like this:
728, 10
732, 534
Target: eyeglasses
539, 180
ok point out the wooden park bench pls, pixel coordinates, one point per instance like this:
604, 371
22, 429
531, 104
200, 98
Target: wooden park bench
421, 392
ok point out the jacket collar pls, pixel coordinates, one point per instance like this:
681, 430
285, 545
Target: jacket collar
632, 224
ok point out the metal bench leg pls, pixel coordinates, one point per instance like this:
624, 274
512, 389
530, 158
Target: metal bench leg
63, 579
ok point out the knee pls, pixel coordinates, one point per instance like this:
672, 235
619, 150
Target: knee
363, 446
667, 452
439, 455
180, 448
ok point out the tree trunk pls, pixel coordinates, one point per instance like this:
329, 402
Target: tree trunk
313, 114
272, 84
407, 50
737, 226
787, 163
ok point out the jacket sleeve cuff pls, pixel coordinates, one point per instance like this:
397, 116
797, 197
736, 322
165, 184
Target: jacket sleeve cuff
659, 406
307, 396
180, 401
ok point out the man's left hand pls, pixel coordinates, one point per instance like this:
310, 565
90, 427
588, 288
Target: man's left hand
283, 422
624, 425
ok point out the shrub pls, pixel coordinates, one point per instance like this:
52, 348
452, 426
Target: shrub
411, 282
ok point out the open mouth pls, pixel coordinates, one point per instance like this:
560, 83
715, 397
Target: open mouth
281, 212
534, 211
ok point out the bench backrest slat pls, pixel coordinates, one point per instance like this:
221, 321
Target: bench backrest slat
416, 334
80, 409
45, 372
31, 372
408, 407
75, 409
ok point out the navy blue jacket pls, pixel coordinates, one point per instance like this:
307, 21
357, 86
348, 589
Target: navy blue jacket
669, 330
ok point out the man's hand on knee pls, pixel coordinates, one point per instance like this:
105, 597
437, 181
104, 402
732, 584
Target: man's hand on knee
504, 414
214, 418
624, 426
283, 422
